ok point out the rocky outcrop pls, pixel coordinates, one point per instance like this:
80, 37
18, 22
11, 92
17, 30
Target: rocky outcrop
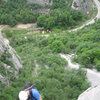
41, 2
93, 93
83, 5
10, 62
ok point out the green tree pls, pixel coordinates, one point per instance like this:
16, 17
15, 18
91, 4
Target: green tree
57, 46
59, 4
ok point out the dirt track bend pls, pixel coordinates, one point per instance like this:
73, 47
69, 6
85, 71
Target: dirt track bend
93, 93
92, 20
92, 76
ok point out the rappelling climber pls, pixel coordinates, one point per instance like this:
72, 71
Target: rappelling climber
29, 93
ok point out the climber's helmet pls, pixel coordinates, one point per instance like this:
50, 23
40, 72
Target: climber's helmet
23, 95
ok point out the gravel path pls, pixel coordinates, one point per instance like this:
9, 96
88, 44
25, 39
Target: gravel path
92, 20
93, 77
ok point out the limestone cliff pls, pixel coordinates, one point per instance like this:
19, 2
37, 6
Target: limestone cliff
93, 93
9, 62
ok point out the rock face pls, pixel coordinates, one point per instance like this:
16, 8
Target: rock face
41, 2
92, 93
83, 5
10, 63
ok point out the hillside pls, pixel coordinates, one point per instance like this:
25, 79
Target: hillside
47, 57
46, 52
10, 63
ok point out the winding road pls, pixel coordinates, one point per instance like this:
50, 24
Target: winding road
93, 93
97, 3
93, 77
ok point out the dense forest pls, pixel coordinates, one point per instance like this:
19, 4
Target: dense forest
40, 57
18, 11
54, 82
60, 15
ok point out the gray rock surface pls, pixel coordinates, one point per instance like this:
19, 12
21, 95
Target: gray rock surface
9, 70
41, 2
93, 93
83, 5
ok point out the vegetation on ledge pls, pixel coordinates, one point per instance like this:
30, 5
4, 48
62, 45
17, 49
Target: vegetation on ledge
17, 11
